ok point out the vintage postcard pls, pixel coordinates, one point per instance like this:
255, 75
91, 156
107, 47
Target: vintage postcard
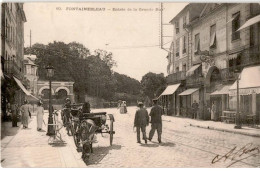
130, 85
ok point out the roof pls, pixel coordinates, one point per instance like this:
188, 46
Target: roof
189, 91
170, 89
194, 8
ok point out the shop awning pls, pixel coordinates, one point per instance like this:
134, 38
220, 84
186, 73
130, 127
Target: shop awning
250, 22
22, 87
249, 82
29, 96
192, 69
224, 89
170, 89
189, 91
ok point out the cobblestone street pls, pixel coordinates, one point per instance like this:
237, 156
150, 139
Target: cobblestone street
182, 146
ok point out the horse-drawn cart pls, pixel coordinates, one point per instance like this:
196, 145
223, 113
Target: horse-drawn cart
84, 126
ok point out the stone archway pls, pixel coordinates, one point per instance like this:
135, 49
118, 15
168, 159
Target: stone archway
213, 76
62, 88
44, 88
62, 94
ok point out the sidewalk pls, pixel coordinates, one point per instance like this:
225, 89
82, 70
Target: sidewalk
30, 148
219, 126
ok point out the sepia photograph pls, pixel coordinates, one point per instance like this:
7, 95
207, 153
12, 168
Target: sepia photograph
130, 84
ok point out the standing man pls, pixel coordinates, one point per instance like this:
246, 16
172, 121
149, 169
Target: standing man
195, 108
14, 109
141, 121
156, 120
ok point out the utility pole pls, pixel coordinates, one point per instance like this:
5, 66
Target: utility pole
30, 39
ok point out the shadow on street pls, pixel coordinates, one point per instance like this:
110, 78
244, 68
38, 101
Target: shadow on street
100, 152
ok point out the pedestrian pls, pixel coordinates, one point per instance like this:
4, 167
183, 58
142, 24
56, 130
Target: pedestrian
213, 112
14, 109
86, 107
195, 108
25, 110
39, 112
156, 120
141, 121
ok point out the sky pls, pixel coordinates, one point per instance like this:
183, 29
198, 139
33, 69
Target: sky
131, 31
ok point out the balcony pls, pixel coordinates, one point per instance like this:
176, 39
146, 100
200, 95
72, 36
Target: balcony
11, 68
194, 80
176, 77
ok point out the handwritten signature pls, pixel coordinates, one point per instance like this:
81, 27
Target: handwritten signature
236, 156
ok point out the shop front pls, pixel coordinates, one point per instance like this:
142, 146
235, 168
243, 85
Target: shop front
169, 99
187, 98
249, 94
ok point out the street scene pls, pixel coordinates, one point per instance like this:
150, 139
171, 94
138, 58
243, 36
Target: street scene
130, 85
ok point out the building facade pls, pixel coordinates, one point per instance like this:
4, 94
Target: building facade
12, 49
222, 42
31, 73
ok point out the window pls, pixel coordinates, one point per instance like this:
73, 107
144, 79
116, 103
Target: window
177, 69
184, 21
177, 27
197, 43
184, 67
178, 47
184, 45
213, 36
235, 26
252, 41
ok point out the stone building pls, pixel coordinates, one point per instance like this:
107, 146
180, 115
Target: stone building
31, 73
223, 41
12, 49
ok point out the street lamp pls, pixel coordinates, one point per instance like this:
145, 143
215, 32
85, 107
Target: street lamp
50, 73
238, 122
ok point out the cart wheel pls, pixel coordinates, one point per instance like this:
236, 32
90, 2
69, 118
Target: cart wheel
111, 131
76, 141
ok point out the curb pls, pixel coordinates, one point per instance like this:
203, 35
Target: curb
225, 130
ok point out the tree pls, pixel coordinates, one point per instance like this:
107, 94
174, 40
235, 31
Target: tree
152, 84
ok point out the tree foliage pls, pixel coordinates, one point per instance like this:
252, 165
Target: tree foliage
92, 73
153, 84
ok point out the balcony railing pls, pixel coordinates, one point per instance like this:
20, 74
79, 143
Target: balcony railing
176, 77
11, 67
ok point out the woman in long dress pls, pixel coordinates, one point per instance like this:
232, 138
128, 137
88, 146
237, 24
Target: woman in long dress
213, 112
25, 110
40, 112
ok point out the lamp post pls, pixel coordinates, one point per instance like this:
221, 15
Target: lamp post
238, 122
50, 73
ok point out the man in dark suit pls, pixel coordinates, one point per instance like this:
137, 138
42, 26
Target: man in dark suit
141, 121
156, 120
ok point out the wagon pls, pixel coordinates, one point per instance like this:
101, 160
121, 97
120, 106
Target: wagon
84, 126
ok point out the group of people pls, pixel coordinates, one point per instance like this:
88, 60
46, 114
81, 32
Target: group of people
142, 120
25, 112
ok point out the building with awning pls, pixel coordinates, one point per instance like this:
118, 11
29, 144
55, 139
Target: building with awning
28, 96
187, 97
169, 99
249, 92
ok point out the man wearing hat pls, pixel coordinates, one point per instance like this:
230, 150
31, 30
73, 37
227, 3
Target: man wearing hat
141, 121
156, 120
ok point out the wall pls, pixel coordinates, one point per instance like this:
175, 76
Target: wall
203, 28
